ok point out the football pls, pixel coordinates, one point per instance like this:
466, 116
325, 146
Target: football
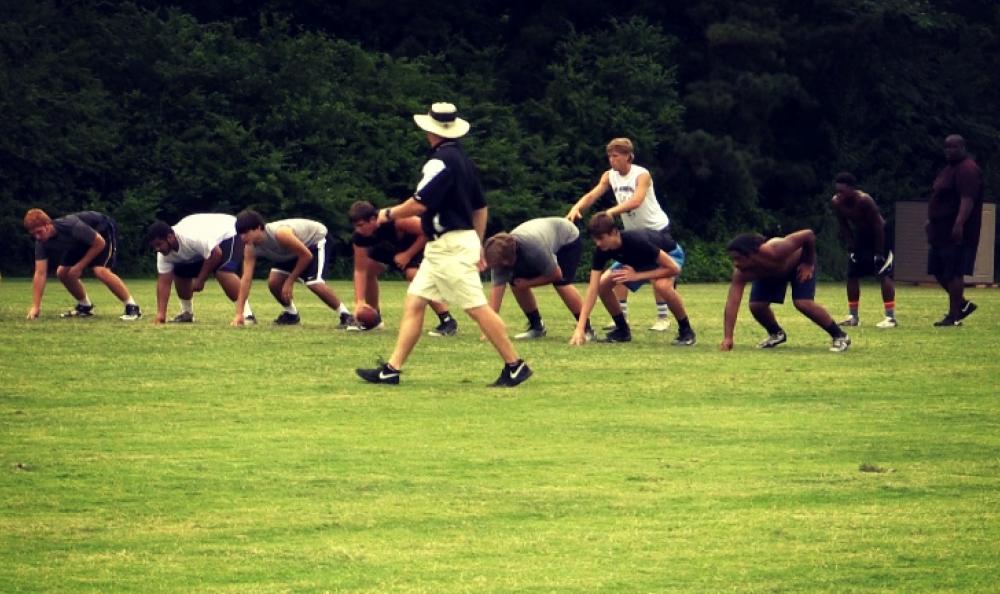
367, 317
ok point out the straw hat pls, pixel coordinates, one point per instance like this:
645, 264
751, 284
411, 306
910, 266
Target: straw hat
442, 120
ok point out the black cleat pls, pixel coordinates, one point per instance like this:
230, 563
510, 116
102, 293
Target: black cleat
132, 313
617, 335
448, 328
287, 319
967, 310
512, 376
948, 321
684, 338
346, 321
383, 374
80, 311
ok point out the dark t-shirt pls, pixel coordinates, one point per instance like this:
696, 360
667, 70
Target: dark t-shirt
956, 180
75, 231
640, 249
450, 190
386, 239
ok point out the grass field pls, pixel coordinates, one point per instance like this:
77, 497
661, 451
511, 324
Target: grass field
206, 458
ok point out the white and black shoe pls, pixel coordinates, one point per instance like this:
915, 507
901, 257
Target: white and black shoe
531, 333
685, 338
383, 374
448, 328
185, 317
132, 312
512, 375
840, 344
772, 340
80, 311
287, 319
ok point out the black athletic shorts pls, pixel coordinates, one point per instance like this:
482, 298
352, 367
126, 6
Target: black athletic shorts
384, 255
568, 258
772, 290
863, 263
949, 261
314, 272
107, 257
232, 260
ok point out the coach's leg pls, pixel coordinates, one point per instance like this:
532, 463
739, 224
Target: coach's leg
113, 282
956, 296
410, 328
493, 327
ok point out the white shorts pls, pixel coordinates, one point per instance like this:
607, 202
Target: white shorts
449, 271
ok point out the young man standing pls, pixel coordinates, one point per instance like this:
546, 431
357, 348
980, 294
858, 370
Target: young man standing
199, 245
868, 240
80, 240
378, 247
771, 265
452, 209
632, 186
644, 256
954, 219
537, 252
297, 249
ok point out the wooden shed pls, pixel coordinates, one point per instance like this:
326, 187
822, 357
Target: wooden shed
911, 245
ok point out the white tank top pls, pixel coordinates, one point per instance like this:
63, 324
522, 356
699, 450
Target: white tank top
649, 215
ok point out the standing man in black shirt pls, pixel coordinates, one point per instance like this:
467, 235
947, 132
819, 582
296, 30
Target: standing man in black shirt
452, 210
80, 240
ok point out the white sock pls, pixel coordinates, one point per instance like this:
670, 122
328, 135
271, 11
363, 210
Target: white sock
290, 308
246, 309
130, 301
624, 306
662, 311
187, 306
85, 301
343, 309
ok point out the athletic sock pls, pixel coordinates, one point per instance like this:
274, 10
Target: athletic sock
290, 308
620, 322
683, 325
890, 309
834, 330
852, 308
343, 309
130, 301
624, 306
534, 319
662, 311
445, 317
246, 309
85, 302
773, 329
187, 306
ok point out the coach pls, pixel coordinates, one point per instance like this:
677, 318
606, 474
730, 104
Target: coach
449, 200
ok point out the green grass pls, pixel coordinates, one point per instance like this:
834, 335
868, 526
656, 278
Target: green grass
206, 458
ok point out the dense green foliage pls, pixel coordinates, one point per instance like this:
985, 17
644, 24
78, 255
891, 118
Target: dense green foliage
743, 111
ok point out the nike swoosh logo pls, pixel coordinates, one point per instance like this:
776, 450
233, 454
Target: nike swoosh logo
384, 375
514, 374
888, 263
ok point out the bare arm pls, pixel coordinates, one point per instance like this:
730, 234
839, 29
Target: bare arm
163, 282
362, 262
409, 208
589, 300
249, 260
588, 199
736, 287
207, 267
38, 288
496, 296
95, 248
641, 188
410, 226
287, 239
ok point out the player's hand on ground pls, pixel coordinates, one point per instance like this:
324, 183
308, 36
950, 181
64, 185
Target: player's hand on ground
726, 344
805, 272
237, 320
160, 319
34, 312
579, 338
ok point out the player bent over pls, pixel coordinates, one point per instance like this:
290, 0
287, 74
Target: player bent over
771, 265
378, 247
79, 240
199, 245
297, 249
644, 256
537, 252
868, 240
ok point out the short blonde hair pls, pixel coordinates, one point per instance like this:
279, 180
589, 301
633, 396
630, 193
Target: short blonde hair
35, 218
500, 251
621, 145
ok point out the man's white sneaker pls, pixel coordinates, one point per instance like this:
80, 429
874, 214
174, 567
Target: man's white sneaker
888, 322
660, 325
840, 344
850, 321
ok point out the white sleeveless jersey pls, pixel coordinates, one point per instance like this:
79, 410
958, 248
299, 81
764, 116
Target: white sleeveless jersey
649, 215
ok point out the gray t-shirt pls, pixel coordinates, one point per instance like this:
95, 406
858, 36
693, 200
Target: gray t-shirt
75, 231
308, 232
537, 240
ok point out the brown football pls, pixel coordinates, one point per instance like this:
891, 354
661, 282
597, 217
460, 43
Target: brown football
367, 317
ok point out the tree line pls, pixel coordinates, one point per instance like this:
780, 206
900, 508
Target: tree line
742, 111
